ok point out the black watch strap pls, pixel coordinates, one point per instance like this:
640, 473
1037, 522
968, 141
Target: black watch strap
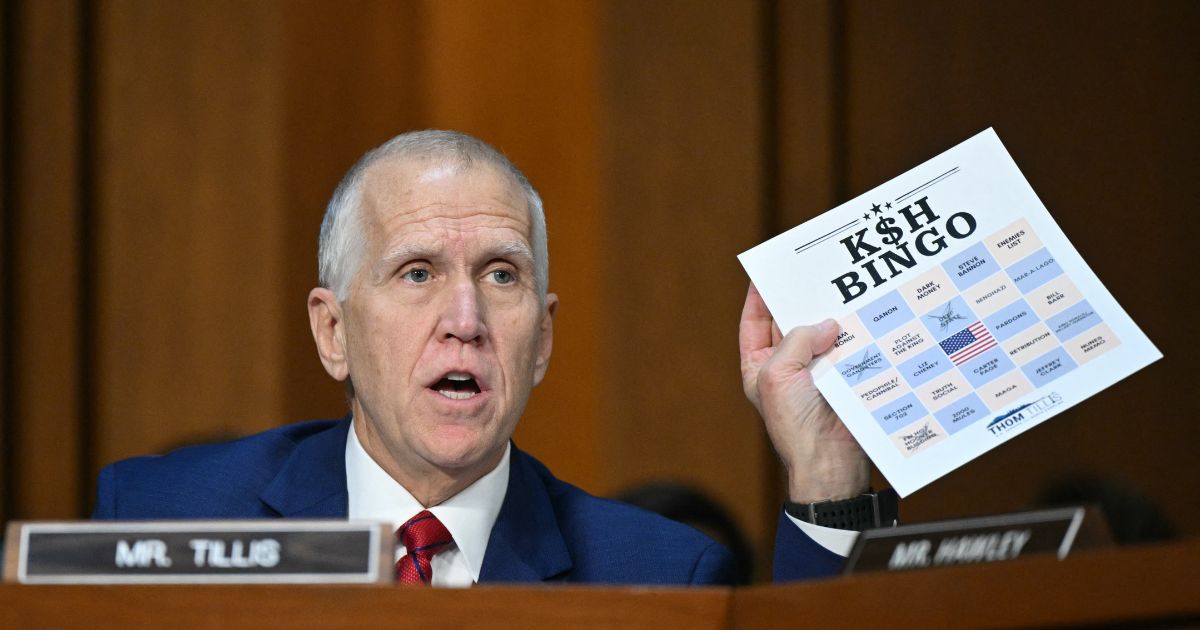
865, 511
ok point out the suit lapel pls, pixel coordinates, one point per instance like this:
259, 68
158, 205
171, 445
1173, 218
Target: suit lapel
526, 544
312, 481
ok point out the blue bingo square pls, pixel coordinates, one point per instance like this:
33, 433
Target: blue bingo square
1011, 319
864, 365
885, 314
1073, 321
1034, 270
899, 413
949, 318
986, 367
962, 413
1048, 367
971, 266
919, 369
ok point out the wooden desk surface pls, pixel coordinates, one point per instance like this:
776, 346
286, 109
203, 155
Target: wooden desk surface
1157, 583
1153, 584
357, 607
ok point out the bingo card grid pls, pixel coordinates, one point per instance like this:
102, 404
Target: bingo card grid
967, 339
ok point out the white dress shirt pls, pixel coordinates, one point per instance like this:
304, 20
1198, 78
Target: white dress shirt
468, 515
839, 541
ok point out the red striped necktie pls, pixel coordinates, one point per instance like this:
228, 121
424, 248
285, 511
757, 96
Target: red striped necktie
423, 536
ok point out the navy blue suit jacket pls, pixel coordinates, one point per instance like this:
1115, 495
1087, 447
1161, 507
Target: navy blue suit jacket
547, 530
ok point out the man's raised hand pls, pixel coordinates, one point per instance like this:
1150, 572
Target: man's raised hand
822, 458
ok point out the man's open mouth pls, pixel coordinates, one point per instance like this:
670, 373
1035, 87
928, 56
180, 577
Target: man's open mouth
456, 386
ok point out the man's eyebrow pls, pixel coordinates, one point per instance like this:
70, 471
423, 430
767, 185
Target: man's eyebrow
403, 252
409, 251
512, 248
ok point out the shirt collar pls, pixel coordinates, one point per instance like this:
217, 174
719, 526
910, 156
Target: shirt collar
468, 515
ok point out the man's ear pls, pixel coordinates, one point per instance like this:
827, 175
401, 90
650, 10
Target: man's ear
328, 330
546, 341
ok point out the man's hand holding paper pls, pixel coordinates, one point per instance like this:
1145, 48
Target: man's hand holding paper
822, 459
966, 317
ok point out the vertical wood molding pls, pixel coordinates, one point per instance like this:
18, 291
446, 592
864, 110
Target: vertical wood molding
683, 196
808, 85
7, 284
46, 404
349, 82
524, 76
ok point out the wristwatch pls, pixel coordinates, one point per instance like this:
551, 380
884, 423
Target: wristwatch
865, 511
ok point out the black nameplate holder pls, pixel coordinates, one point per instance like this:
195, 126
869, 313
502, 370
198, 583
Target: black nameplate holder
976, 540
199, 552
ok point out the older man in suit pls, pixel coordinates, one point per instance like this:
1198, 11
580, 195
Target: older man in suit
434, 312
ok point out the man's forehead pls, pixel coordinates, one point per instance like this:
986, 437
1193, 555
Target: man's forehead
414, 190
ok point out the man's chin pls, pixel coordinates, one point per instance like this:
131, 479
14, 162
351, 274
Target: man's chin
457, 453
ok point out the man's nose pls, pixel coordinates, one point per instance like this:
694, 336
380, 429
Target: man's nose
463, 313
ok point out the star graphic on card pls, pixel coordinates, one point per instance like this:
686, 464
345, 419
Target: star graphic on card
946, 318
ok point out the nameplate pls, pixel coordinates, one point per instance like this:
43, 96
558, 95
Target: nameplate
971, 540
199, 552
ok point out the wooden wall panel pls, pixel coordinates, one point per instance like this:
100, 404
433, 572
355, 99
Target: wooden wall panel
1096, 102
221, 129
45, 423
808, 119
189, 231
348, 83
682, 197
524, 77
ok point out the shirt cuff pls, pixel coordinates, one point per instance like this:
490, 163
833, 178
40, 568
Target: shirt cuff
839, 541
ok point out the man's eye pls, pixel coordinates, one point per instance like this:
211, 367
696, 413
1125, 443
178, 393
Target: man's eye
417, 275
502, 276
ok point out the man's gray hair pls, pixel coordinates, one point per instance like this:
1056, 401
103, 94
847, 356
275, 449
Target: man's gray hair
340, 248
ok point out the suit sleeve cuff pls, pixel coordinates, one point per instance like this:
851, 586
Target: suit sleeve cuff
839, 541
799, 557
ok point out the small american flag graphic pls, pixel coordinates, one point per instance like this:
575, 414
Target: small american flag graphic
968, 343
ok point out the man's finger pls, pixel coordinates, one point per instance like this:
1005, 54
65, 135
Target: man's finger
754, 330
805, 342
